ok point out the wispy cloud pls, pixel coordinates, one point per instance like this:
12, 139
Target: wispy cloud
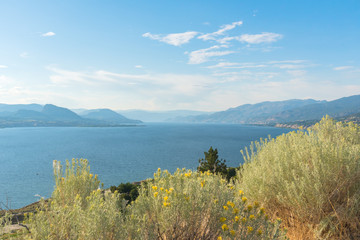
237, 65
343, 68
133, 90
175, 39
297, 73
204, 55
3, 66
220, 32
139, 66
24, 55
289, 66
48, 34
288, 61
265, 37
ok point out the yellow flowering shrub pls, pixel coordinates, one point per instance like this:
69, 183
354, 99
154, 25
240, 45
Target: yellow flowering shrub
183, 205
195, 205
248, 221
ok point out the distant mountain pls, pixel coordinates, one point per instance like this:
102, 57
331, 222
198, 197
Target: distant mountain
351, 118
159, 116
16, 107
337, 108
250, 113
107, 115
51, 115
56, 113
282, 111
28, 115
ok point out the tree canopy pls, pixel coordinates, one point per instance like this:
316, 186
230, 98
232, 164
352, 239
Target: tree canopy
212, 163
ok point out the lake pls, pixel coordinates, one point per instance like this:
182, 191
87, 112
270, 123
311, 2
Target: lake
116, 154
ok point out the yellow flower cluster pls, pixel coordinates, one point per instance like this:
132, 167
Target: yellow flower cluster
202, 183
225, 227
245, 214
229, 203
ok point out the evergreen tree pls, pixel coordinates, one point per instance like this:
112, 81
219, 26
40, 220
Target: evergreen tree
212, 163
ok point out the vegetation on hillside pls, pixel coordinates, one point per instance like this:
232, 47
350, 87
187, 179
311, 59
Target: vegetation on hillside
183, 205
309, 178
213, 164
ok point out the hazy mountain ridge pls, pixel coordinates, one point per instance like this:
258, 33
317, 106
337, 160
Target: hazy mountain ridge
279, 112
337, 108
251, 113
51, 115
107, 115
15, 107
160, 116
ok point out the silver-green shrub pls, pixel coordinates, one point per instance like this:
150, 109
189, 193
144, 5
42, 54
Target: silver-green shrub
78, 209
193, 205
183, 205
312, 175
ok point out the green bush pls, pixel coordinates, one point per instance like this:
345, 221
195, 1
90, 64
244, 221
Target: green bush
128, 191
312, 177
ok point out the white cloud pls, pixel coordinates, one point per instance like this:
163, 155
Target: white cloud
225, 40
289, 66
223, 65
264, 37
297, 73
139, 66
287, 61
24, 55
175, 39
343, 68
146, 91
3, 66
5, 80
203, 55
48, 34
237, 65
220, 32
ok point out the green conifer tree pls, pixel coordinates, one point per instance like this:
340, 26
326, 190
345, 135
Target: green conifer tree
212, 163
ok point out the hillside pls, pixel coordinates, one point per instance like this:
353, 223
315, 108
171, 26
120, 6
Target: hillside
160, 116
250, 113
108, 116
51, 115
271, 113
336, 109
15, 107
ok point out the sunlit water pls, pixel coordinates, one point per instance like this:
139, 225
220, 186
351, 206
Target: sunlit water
119, 154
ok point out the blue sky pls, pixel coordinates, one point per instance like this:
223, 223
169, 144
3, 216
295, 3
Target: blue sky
166, 55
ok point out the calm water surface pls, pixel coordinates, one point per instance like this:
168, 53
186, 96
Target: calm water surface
121, 154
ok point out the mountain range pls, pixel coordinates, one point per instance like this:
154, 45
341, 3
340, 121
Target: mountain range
160, 116
28, 115
287, 113
271, 113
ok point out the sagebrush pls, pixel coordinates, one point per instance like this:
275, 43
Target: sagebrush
309, 178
